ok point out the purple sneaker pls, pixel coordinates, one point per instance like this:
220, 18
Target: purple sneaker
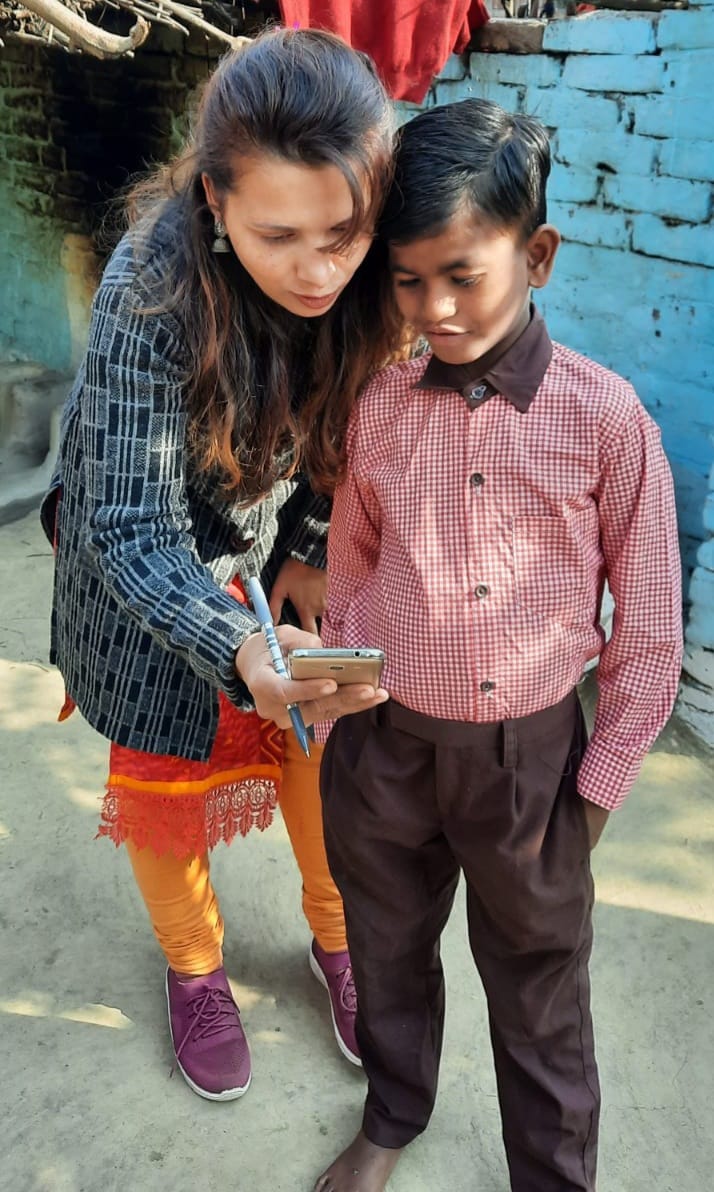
211, 1048
334, 971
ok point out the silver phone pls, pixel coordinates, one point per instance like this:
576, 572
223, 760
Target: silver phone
343, 665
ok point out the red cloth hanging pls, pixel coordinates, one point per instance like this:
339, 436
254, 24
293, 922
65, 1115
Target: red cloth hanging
409, 40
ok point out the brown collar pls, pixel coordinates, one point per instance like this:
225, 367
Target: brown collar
514, 367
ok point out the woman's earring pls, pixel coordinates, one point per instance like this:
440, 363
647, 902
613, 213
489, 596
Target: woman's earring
220, 244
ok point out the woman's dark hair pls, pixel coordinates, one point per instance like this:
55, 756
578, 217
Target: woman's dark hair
269, 392
472, 153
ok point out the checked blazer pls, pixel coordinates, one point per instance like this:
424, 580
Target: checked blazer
143, 630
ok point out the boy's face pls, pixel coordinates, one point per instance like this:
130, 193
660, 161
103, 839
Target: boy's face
465, 288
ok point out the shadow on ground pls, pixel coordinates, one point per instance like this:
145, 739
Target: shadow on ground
87, 1097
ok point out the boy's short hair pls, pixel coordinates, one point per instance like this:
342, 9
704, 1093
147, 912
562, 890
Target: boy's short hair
471, 152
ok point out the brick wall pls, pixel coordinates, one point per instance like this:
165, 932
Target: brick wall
73, 130
628, 100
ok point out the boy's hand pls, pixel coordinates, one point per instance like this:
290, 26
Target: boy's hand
596, 818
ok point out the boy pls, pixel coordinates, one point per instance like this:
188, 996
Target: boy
491, 489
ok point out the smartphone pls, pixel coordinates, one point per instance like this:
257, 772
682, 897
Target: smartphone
344, 666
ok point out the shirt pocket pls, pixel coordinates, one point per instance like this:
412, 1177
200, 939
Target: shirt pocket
556, 565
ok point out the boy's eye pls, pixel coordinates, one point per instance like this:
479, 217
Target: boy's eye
279, 239
410, 282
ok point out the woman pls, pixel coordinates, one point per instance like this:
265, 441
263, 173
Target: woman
233, 326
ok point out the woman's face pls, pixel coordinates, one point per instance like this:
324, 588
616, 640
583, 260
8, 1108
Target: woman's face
282, 220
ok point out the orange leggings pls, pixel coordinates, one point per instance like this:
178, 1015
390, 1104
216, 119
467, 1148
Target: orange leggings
180, 898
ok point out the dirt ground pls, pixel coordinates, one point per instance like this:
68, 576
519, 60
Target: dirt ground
86, 1098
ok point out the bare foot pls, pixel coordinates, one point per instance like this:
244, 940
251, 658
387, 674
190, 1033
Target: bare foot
363, 1167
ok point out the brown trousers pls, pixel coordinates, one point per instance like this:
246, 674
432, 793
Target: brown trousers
409, 802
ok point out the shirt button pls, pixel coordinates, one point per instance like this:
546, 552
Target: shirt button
477, 480
486, 686
482, 591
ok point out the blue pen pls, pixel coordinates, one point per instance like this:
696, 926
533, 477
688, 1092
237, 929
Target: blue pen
262, 612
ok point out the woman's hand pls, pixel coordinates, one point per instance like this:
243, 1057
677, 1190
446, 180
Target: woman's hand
319, 699
305, 587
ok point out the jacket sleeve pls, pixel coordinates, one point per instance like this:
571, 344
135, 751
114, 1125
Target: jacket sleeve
139, 534
307, 516
639, 668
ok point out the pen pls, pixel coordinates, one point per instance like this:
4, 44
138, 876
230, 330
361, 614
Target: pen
262, 612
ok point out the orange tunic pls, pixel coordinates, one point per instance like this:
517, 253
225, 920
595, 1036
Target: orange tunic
171, 804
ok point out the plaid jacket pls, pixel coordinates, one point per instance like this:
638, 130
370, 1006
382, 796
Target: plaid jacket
143, 630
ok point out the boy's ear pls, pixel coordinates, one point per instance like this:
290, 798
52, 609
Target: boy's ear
211, 197
541, 248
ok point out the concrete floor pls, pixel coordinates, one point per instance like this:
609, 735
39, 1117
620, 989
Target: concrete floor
86, 1099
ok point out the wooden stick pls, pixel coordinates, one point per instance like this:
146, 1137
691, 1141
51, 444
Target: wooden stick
190, 16
85, 36
152, 14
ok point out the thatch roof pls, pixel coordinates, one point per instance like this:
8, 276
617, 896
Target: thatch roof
80, 26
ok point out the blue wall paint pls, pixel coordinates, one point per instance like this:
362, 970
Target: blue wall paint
34, 322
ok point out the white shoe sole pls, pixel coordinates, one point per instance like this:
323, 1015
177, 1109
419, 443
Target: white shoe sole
227, 1094
317, 972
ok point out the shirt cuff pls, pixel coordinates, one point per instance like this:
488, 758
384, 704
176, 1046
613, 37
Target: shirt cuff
322, 730
606, 777
229, 681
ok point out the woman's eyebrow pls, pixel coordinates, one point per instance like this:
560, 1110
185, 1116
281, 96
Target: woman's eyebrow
271, 227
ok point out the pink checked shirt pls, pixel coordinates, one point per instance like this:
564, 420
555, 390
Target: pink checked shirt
471, 542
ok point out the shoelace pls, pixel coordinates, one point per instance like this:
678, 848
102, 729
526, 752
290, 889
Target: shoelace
346, 989
213, 1012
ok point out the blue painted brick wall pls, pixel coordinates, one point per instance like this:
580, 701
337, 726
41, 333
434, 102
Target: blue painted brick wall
54, 107
602, 33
